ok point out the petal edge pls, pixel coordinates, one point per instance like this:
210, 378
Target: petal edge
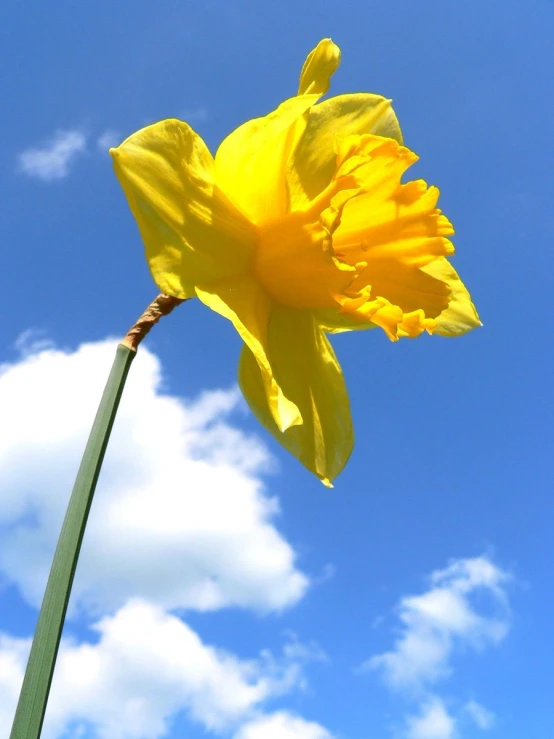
190, 231
308, 371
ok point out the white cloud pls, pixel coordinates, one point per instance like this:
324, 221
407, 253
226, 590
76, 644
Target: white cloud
180, 517
433, 722
13, 655
482, 717
53, 160
182, 520
435, 623
108, 139
146, 667
282, 725
466, 606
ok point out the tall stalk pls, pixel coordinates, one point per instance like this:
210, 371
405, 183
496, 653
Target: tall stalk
33, 699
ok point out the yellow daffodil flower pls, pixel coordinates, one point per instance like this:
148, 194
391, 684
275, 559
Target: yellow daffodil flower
298, 227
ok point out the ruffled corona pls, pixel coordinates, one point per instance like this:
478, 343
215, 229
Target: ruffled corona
299, 227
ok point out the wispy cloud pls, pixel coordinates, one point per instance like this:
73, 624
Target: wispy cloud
439, 620
481, 717
434, 625
55, 158
194, 115
108, 139
32, 341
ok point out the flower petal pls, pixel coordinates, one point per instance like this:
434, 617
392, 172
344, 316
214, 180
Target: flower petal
320, 65
410, 288
314, 161
432, 298
250, 163
246, 304
390, 221
307, 369
460, 316
190, 230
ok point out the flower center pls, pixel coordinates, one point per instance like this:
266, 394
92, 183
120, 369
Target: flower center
294, 261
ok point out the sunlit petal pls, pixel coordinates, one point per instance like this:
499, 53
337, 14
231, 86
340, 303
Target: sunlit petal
250, 164
307, 369
245, 303
190, 230
314, 160
460, 316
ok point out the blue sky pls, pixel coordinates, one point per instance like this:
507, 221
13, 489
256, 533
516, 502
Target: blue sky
223, 591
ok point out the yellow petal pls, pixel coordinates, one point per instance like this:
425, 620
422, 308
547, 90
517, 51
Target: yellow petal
460, 316
314, 161
409, 288
432, 299
321, 63
244, 302
250, 163
191, 232
390, 221
396, 238
307, 369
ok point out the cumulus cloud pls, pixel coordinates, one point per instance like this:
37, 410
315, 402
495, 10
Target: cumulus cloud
181, 520
145, 667
433, 722
55, 158
181, 517
444, 617
282, 725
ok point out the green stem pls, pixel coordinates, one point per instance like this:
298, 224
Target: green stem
33, 698
40, 667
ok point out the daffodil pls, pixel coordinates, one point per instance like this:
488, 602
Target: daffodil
299, 227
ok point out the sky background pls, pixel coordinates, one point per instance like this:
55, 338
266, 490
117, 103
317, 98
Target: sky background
222, 590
